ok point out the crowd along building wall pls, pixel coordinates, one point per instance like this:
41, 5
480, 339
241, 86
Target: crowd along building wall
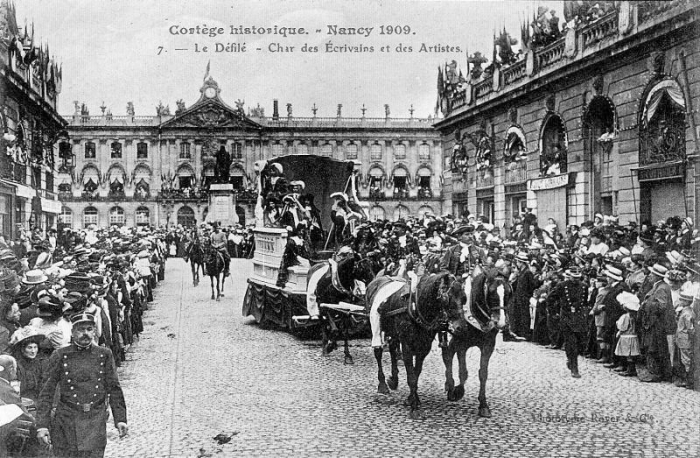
602, 120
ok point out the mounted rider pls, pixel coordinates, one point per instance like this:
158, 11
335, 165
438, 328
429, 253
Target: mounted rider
219, 241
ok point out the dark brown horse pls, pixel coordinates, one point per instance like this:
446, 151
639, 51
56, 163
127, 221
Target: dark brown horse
413, 319
214, 267
334, 286
195, 256
489, 294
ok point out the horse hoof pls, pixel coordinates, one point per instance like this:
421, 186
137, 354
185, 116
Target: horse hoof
484, 412
417, 414
349, 360
221, 295
218, 298
458, 392
382, 389
212, 296
393, 383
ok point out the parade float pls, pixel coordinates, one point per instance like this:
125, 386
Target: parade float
291, 190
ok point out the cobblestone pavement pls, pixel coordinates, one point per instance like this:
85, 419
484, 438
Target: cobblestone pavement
201, 369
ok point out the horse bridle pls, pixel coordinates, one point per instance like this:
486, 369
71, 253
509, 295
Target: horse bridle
498, 307
439, 322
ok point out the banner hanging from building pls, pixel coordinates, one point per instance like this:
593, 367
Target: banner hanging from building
551, 182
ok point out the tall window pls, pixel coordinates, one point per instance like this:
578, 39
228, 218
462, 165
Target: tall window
424, 152
400, 151
376, 152
117, 216
351, 151
142, 216
553, 147
302, 148
4, 214
116, 149
185, 151
237, 151
276, 149
327, 150
141, 150
66, 216
49, 181
90, 150
90, 216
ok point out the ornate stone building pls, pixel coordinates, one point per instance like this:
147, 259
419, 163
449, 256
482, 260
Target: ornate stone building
30, 82
597, 118
139, 170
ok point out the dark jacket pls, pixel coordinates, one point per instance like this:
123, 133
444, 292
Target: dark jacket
570, 298
86, 378
452, 263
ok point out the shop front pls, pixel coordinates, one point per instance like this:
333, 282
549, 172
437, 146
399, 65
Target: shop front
551, 197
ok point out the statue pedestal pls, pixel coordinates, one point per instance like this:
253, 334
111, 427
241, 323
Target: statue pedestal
222, 205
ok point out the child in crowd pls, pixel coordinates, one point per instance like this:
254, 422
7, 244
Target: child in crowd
684, 337
628, 343
599, 316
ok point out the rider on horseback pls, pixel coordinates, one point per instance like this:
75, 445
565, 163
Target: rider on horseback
219, 241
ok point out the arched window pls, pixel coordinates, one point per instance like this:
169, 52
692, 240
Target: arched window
515, 148
553, 146
208, 176
143, 216
423, 178
90, 150
142, 150
237, 177
401, 212
425, 209
66, 216
116, 150
662, 127
598, 134
185, 217
351, 151
400, 178
377, 213
90, 216
117, 216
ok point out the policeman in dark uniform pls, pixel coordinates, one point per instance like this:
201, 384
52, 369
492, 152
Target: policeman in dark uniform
87, 380
569, 297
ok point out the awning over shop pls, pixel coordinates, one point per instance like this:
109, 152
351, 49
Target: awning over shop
50, 206
21, 190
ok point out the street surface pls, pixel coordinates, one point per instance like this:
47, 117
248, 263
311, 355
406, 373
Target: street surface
200, 369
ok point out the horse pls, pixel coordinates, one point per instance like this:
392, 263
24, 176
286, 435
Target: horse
214, 264
332, 285
412, 318
195, 256
489, 294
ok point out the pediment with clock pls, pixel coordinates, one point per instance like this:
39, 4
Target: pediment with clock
211, 112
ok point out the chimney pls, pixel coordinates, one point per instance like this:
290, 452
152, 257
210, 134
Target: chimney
275, 110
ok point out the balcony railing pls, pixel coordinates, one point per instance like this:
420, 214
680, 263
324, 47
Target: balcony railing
550, 54
514, 72
600, 29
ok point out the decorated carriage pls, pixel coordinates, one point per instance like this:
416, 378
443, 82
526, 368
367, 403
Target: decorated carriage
277, 291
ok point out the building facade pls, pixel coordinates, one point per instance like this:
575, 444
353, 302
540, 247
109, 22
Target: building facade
600, 118
30, 83
154, 170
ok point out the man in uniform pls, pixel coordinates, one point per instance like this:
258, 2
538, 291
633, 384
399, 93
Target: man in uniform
569, 297
87, 378
219, 240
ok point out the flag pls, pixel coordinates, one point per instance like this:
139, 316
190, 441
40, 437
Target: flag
207, 72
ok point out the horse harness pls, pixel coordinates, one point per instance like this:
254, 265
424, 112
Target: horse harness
413, 312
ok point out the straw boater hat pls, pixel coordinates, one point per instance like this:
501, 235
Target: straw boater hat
522, 257
613, 273
34, 277
659, 270
628, 300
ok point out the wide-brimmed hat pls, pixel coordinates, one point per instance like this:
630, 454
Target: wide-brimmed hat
628, 300
675, 257
339, 195
49, 306
26, 335
659, 270
613, 272
34, 277
463, 229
